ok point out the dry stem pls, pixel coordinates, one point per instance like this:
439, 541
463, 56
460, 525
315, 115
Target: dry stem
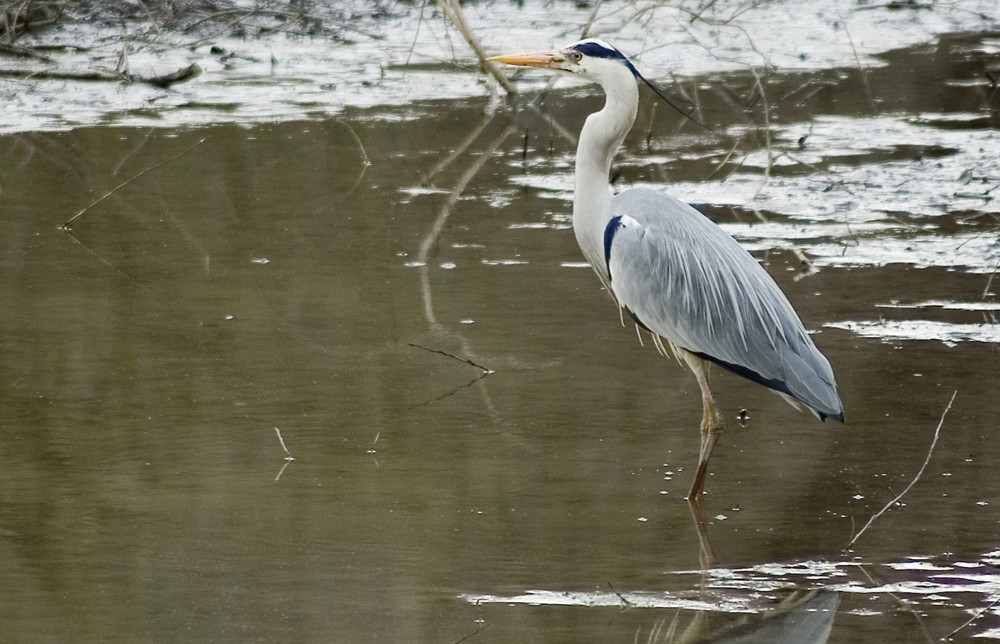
68, 226
916, 478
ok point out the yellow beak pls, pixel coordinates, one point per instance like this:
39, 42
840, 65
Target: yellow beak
546, 59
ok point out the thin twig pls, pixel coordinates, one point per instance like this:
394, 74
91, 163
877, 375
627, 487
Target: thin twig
972, 619
861, 70
96, 256
277, 477
485, 370
986, 290
365, 161
288, 456
585, 32
357, 139
626, 604
916, 478
766, 114
907, 607
72, 220
453, 10
472, 634
454, 391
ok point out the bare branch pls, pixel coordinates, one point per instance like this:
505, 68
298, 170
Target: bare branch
485, 370
179, 76
916, 478
972, 619
288, 456
453, 10
72, 220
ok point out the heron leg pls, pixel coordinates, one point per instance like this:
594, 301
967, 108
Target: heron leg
711, 424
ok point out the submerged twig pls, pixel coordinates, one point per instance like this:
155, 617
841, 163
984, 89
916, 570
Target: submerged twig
72, 220
907, 607
454, 391
920, 472
626, 604
96, 256
972, 619
472, 634
288, 456
989, 281
485, 370
365, 161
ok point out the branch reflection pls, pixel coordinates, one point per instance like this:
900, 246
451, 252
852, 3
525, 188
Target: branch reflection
465, 352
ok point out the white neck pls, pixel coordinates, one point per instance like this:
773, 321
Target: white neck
600, 138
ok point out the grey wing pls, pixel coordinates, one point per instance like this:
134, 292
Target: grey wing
686, 279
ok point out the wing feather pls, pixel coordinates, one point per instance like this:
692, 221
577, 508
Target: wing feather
687, 280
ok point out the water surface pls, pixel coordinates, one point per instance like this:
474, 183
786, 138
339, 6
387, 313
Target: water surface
480, 449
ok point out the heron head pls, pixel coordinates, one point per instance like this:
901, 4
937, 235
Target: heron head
594, 59
586, 58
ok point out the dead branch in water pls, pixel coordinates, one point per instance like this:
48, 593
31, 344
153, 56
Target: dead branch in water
288, 455
179, 76
972, 619
916, 478
68, 226
164, 81
486, 370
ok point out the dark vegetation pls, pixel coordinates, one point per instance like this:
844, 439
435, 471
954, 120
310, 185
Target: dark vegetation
21, 19
30, 29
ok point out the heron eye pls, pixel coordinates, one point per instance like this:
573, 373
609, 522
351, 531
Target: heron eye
574, 56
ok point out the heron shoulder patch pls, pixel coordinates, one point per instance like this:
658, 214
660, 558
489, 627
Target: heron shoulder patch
616, 223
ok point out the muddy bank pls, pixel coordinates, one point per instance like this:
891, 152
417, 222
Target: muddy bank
255, 68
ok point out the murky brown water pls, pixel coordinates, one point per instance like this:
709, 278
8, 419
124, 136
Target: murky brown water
478, 443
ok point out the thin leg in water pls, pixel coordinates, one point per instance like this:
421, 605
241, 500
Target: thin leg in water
711, 424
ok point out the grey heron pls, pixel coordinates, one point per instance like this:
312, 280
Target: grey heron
675, 272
